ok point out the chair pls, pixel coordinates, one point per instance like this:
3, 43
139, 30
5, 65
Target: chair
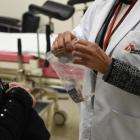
74, 2
29, 23
8, 24
52, 10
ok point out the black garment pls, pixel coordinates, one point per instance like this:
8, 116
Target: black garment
35, 128
15, 117
124, 76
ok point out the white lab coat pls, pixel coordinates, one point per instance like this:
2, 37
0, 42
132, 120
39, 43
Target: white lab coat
116, 114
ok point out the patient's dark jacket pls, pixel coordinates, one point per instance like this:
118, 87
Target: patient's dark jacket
18, 120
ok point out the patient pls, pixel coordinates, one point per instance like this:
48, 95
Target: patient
18, 119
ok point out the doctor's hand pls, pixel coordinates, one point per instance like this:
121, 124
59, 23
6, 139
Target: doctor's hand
90, 55
62, 43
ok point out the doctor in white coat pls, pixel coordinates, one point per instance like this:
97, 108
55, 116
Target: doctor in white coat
115, 114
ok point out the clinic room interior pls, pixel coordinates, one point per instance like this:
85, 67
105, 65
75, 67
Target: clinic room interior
69, 69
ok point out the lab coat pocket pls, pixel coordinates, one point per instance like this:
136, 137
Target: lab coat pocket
124, 126
134, 38
130, 58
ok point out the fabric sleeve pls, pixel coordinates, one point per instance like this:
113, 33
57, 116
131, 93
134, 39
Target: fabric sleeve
124, 76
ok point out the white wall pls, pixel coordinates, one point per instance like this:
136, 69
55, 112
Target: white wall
15, 8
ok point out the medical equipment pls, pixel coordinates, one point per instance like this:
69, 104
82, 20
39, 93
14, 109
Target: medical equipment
52, 10
8, 24
30, 70
44, 83
29, 23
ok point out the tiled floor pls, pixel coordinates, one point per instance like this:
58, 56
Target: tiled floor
70, 130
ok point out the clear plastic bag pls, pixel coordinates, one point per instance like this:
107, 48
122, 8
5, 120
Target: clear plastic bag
72, 76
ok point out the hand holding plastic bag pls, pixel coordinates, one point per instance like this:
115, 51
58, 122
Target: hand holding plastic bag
71, 75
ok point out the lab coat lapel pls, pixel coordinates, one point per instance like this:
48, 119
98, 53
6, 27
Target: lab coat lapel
100, 17
130, 21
